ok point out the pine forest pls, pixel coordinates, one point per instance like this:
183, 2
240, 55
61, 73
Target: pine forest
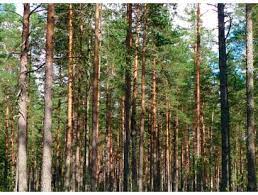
128, 97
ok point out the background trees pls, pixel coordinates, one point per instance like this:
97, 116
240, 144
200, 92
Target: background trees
128, 119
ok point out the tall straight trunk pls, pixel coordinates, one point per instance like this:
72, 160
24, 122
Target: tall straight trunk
141, 152
70, 101
158, 176
150, 151
95, 99
198, 100
123, 138
168, 175
127, 96
86, 142
46, 176
23, 97
13, 151
225, 177
250, 141
6, 158
58, 147
134, 99
187, 160
175, 157
109, 138
77, 143
154, 124
197, 84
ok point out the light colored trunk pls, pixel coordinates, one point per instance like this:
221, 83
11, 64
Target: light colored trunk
23, 98
46, 176
70, 101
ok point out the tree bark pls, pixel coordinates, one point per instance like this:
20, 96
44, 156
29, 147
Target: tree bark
95, 98
109, 138
70, 101
134, 99
141, 152
23, 98
168, 175
127, 103
154, 126
198, 101
250, 141
175, 157
47, 138
6, 158
225, 177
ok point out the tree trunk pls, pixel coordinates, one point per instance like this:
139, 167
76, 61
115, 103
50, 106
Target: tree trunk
127, 96
47, 138
95, 99
134, 99
250, 141
58, 147
141, 153
198, 101
6, 158
109, 138
225, 178
175, 157
123, 138
23, 97
13, 151
154, 125
70, 101
86, 142
168, 176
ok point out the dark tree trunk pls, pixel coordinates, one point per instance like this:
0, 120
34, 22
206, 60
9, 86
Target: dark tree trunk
127, 96
225, 177
6, 158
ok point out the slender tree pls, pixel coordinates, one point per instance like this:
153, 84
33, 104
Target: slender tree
198, 98
46, 176
95, 98
134, 98
127, 103
250, 141
23, 96
141, 153
69, 99
225, 177
154, 125
6, 158
175, 156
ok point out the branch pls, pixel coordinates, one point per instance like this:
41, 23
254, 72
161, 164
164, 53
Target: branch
230, 24
32, 11
39, 67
